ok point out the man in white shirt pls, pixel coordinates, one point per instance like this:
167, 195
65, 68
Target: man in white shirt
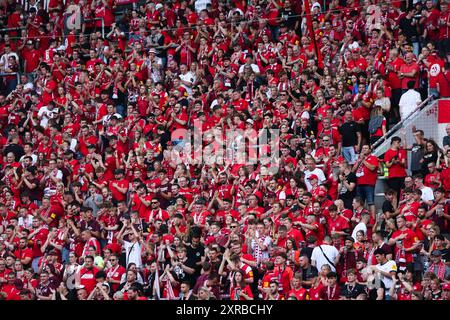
201, 5
427, 192
311, 169
384, 269
46, 113
249, 62
409, 101
187, 78
132, 247
4, 64
325, 254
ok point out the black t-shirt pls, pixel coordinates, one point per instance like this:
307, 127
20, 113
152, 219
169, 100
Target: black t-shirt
407, 28
195, 254
289, 17
309, 273
387, 207
348, 131
16, 149
352, 292
345, 193
180, 275
416, 155
427, 159
373, 293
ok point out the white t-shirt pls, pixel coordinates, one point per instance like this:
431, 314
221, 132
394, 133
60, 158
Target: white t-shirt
427, 194
408, 102
201, 5
318, 172
188, 77
44, 114
133, 253
389, 266
330, 251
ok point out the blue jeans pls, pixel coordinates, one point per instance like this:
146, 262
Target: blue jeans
65, 255
34, 264
416, 48
433, 92
366, 192
349, 154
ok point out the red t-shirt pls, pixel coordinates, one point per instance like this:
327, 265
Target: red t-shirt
408, 242
405, 68
393, 78
364, 176
396, 170
87, 278
116, 194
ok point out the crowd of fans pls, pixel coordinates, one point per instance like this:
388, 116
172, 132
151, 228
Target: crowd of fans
94, 205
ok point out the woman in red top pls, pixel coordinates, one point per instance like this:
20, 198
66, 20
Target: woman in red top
239, 290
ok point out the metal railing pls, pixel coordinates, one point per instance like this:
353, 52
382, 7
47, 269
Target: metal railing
11, 29
6, 74
399, 125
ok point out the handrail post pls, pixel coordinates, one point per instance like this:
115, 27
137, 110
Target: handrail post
103, 27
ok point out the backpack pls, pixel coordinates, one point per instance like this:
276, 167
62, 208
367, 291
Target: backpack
375, 124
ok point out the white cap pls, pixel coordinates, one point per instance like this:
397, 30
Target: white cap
315, 4
158, 6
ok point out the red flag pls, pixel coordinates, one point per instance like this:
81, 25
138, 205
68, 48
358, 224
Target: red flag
444, 111
312, 33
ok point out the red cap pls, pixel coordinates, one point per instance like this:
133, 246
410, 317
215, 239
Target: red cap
209, 240
313, 176
322, 193
114, 247
417, 287
446, 287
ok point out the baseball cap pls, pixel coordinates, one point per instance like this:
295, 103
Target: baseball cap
446, 287
313, 176
250, 121
322, 193
158, 6
210, 240
152, 50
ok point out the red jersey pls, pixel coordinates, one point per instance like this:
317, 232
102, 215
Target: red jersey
396, 170
87, 278
408, 242
364, 176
